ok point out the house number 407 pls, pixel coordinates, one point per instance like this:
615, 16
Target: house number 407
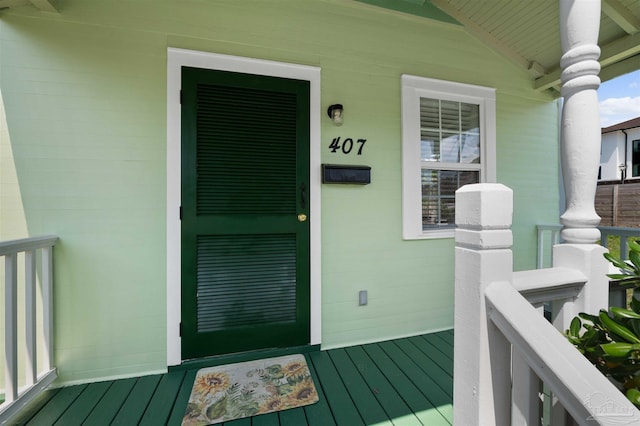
347, 145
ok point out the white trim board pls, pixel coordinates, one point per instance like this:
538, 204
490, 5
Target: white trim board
176, 59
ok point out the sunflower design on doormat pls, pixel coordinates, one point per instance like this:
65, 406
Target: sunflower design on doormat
247, 389
211, 383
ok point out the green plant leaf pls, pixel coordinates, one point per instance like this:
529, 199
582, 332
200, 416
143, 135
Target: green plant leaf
635, 326
633, 245
593, 337
576, 325
633, 395
620, 276
618, 349
574, 340
594, 319
634, 257
618, 329
624, 313
616, 261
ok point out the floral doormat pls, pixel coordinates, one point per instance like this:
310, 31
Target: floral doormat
247, 389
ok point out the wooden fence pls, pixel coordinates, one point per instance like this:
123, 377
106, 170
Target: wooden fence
619, 204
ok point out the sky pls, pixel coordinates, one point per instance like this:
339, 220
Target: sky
619, 99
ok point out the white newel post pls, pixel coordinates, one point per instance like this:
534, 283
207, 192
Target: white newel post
482, 358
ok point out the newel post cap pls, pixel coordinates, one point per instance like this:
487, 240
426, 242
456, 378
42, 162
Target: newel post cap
484, 206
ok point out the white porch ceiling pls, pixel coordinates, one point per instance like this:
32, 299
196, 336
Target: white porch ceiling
524, 31
527, 33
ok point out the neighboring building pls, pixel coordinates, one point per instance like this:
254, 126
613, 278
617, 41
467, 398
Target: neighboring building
620, 152
618, 193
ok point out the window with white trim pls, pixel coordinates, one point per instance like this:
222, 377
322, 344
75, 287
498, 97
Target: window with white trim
448, 140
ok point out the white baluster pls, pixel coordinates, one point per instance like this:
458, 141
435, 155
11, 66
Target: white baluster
47, 305
31, 360
11, 326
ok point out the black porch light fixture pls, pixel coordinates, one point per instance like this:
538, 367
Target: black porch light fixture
336, 114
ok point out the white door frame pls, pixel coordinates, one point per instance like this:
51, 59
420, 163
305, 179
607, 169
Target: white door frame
176, 59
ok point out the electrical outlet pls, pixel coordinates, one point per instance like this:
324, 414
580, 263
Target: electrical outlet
362, 298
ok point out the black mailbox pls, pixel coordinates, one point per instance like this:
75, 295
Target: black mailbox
339, 173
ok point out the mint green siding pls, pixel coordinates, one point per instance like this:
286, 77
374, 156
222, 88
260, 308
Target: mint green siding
84, 95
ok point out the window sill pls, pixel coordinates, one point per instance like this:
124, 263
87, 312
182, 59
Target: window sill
432, 235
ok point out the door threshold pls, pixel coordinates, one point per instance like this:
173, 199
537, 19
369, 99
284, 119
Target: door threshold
212, 361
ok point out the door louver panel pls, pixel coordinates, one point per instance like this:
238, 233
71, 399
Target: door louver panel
245, 280
246, 151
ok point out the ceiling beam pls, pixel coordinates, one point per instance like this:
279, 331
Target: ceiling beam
4, 4
620, 68
616, 51
44, 5
620, 49
534, 69
622, 16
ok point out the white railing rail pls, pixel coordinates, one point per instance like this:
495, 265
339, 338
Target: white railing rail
540, 286
587, 395
17, 394
555, 289
504, 347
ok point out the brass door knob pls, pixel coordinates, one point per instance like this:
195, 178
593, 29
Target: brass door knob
302, 217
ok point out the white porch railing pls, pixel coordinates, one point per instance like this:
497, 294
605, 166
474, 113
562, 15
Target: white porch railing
17, 393
549, 235
504, 347
622, 233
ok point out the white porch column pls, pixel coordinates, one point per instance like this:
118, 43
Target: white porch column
482, 356
579, 27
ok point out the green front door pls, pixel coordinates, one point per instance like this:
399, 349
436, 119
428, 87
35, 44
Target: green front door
245, 202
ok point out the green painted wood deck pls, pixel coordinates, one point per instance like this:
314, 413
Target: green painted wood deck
398, 382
